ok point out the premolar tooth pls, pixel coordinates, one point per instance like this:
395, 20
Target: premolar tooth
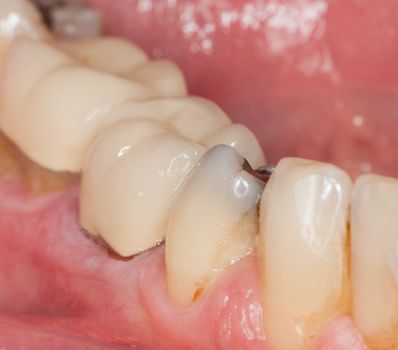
374, 237
212, 224
240, 138
131, 177
303, 238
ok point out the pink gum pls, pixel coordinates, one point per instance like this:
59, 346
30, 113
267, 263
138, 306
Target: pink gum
54, 277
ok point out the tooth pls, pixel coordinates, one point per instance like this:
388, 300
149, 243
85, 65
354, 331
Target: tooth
303, 238
133, 172
212, 224
240, 138
162, 76
193, 117
41, 104
120, 57
19, 18
374, 237
19, 78
113, 55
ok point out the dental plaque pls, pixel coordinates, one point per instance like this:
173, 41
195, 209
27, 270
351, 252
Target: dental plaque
163, 171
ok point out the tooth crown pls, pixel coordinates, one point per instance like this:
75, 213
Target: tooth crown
109, 54
48, 96
212, 224
132, 175
374, 235
120, 57
240, 138
162, 76
303, 232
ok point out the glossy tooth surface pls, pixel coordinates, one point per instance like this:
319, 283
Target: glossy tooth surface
47, 98
19, 18
212, 224
131, 177
303, 238
374, 238
121, 57
242, 139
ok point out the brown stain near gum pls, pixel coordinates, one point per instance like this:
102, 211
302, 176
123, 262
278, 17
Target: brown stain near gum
16, 167
336, 308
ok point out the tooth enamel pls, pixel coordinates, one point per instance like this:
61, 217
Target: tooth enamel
120, 57
54, 101
193, 117
131, 177
240, 138
374, 237
303, 235
19, 18
212, 224
109, 54
162, 76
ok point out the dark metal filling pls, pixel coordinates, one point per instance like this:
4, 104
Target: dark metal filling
262, 173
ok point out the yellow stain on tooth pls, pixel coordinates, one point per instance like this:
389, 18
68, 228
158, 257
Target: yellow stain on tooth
213, 223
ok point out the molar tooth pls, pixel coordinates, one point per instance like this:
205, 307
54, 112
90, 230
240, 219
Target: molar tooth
192, 117
163, 76
374, 237
131, 177
110, 54
120, 57
41, 103
240, 138
303, 238
212, 224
